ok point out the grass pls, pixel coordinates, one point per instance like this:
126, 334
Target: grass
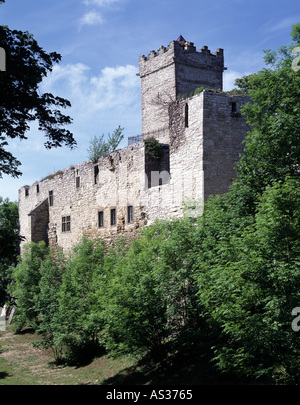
21, 363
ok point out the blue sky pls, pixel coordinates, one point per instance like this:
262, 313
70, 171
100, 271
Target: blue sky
100, 42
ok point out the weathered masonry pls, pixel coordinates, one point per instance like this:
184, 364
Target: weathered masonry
198, 140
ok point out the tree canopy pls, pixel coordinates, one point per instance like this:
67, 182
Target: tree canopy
9, 242
21, 100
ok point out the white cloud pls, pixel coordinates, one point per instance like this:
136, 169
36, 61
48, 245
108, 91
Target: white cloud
100, 3
115, 86
109, 96
91, 18
229, 79
285, 23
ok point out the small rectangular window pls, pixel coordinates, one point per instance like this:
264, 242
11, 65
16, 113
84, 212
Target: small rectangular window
233, 107
77, 182
26, 192
113, 216
96, 174
100, 219
186, 115
66, 224
130, 213
51, 198
37, 188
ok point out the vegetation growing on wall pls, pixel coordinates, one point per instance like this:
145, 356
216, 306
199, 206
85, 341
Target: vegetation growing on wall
101, 147
153, 148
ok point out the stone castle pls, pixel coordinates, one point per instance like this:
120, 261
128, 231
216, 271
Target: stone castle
198, 141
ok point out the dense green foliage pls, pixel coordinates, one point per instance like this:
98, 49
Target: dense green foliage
223, 285
9, 243
153, 148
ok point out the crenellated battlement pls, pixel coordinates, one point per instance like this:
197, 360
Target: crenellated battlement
178, 69
184, 47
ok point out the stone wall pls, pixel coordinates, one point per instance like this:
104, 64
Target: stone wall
206, 134
201, 139
76, 193
169, 72
224, 130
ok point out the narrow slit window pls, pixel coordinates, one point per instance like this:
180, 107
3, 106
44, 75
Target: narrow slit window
37, 188
77, 182
100, 219
113, 216
96, 174
130, 213
66, 224
51, 198
233, 107
26, 192
186, 115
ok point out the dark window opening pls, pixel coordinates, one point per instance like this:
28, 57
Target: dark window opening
37, 188
26, 192
77, 182
96, 174
186, 115
51, 198
66, 224
130, 213
113, 216
100, 219
233, 107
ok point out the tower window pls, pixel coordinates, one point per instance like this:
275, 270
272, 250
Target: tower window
37, 188
77, 182
233, 107
186, 115
113, 216
100, 219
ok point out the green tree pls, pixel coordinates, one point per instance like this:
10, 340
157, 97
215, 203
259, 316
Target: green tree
246, 243
9, 243
100, 147
25, 288
249, 288
77, 322
272, 148
22, 101
148, 294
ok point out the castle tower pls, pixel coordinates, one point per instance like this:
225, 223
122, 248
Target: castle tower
173, 71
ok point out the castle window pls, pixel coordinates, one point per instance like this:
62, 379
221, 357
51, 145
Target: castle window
37, 188
186, 115
130, 213
66, 224
77, 182
100, 219
233, 107
113, 216
51, 198
26, 192
96, 174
